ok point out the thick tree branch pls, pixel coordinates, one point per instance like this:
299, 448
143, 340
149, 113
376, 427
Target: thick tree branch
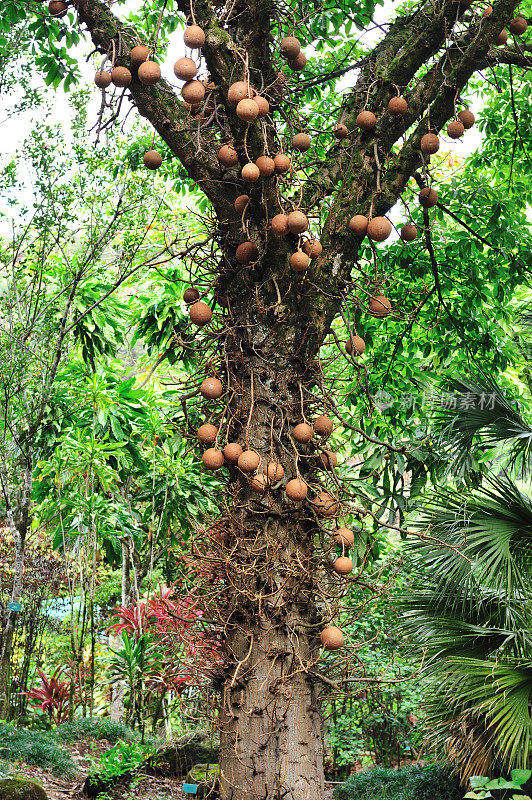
159, 104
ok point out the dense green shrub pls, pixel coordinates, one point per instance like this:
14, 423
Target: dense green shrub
410, 783
95, 728
35, 747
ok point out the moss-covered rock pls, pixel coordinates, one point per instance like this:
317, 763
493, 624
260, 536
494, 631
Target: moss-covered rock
21, 789
174, 760
205, 776
101, 784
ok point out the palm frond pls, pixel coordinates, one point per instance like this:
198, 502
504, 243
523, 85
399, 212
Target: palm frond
492, 528
479, 415
497, 695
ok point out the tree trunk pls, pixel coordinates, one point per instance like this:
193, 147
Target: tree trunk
271, 745
270, 721
18, 518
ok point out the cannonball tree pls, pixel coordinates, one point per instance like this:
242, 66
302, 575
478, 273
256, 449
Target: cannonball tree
300, 178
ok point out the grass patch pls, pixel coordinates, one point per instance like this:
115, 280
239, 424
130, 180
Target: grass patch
35, 747
95, 728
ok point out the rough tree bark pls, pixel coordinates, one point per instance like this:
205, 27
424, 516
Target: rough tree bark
18, 517
273, 326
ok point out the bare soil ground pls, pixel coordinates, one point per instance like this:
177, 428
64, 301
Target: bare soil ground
143, 788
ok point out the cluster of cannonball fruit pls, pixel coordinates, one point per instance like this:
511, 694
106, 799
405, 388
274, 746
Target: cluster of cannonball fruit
377, 228
148, 72
269, 476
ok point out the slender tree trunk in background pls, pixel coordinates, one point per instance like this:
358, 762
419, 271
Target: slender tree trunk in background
118, 688
18, 519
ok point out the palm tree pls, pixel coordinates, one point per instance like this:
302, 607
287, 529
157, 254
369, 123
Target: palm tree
472, 607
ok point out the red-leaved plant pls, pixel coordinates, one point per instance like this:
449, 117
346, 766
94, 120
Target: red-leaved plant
52, 696
173, 625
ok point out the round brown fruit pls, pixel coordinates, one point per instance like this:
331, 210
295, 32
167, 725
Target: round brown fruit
152, 159
194, 37
328, 460
323, 425
290, 47
264, 106
430, 144
379, 228
343, 565
247, 110
467, 118
518, 26
274, 471
247, 252
313, 248
455, 129
325, 504
344, 537
408, 232
102, 79
502, 38
397, 106
282, 163
193, 92
57, 8
340, 131
227, 155
207, 433
331, 638
139, 54
366, 120
428, 197
356, 345
250, 173
488, 11
185, 69
298, 63
121, 77
266, 166
238, 91
241, 203
299, 261
200, 313
302, 433
213, 458
260, 483
379, 306
149, 73
279, 225
211, 389
297, 222
296, 490
190, 295
358, 224
301, 142
248, 461
232, 452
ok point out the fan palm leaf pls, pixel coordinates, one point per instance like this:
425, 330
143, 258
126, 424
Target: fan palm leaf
471, 613
498, 696
481, 417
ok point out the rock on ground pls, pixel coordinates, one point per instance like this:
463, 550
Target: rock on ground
21, 789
